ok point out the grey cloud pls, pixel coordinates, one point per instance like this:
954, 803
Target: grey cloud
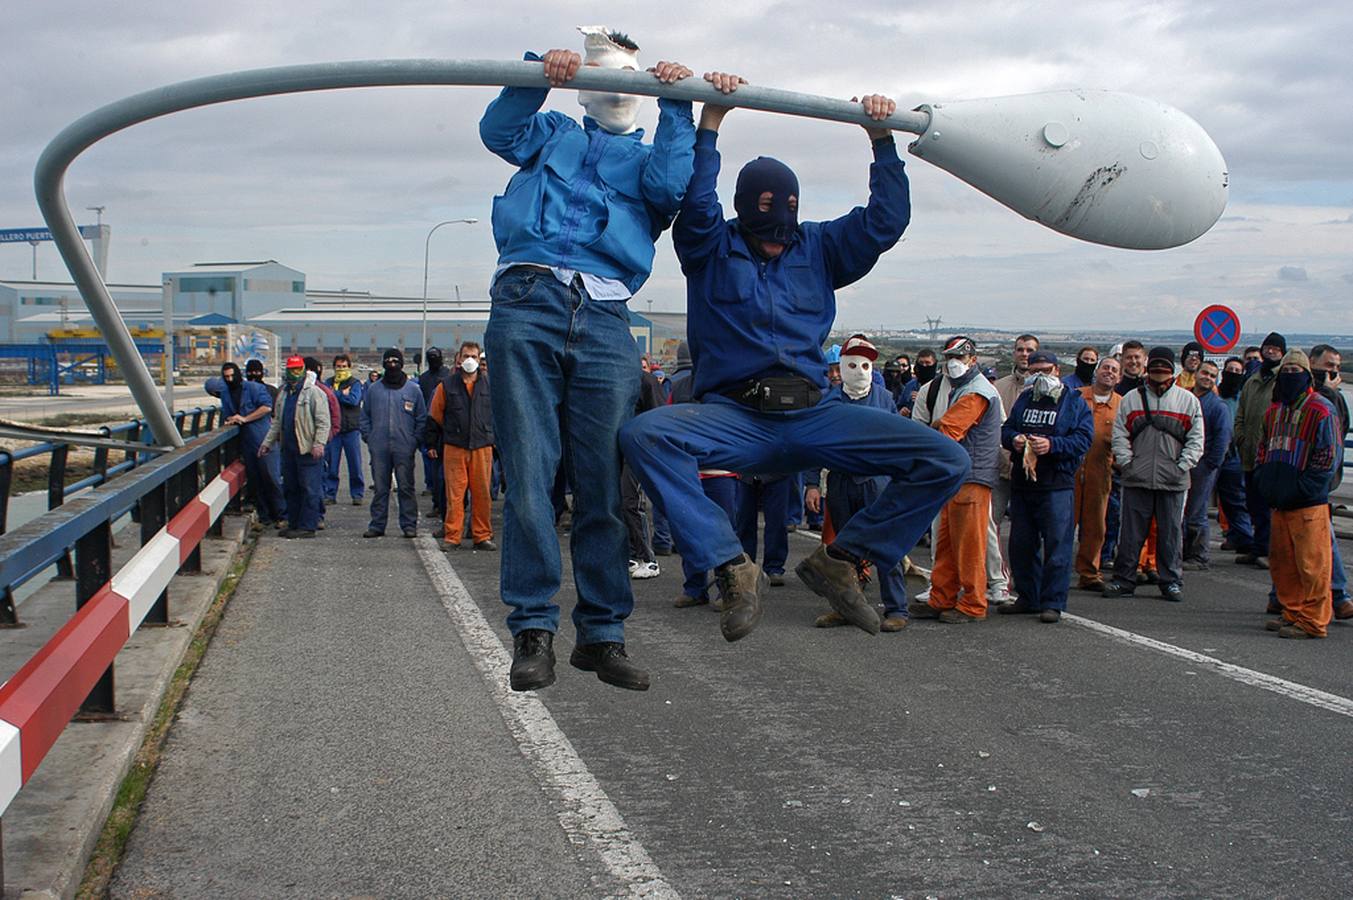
1292, 273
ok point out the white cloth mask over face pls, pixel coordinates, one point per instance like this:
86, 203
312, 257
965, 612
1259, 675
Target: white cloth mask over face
469, 365
857, 376
616, 113
955, 368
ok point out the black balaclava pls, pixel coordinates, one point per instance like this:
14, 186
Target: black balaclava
925, 372
1290, 386
1085, 371
253, 370
763, 174
892, 375
1230, 384
392, 361
234, 383
434, 359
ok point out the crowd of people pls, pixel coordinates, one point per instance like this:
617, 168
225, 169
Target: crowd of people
296, 437
1127, 447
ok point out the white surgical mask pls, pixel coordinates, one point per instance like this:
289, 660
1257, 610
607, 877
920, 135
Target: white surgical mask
857, 376
616, 113
469, 365
1045, 385
955, 368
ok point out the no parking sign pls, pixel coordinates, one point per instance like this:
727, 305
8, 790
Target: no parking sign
1217, 328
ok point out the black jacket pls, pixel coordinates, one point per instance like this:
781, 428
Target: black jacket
465, 419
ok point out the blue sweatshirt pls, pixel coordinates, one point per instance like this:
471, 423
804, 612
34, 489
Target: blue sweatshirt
583, 198
748, 317
1066, 422
1216, 430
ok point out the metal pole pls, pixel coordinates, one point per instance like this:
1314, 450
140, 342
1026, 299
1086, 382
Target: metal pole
427, 246
74, 139
167, 297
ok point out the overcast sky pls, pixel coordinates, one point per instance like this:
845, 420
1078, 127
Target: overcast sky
345, 185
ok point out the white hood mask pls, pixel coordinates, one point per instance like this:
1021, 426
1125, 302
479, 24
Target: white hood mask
857, 376
616, 113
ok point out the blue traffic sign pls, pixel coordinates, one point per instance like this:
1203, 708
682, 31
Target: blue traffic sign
1217, 328
38, 235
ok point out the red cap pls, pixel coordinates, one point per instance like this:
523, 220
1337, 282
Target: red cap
858, 346
295, 362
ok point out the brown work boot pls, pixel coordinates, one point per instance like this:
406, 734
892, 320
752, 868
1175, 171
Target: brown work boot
1344, 610
838, 581
830, 619
956, 617
893, 623
740, 585
685, 600
919, 609
1296, 632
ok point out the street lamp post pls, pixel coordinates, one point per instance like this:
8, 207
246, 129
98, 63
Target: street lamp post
427, 247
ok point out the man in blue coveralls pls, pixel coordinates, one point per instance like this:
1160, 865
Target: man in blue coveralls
760, 303
575, 230
248, 404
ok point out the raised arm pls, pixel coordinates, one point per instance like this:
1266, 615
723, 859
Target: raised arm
700, 222
667, 171
513, 127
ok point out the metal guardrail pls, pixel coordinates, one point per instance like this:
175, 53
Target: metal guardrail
189, 422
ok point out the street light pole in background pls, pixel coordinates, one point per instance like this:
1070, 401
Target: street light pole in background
427, 247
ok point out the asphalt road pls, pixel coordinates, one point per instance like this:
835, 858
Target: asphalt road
340, 739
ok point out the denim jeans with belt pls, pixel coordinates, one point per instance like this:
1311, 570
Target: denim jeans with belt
565, 378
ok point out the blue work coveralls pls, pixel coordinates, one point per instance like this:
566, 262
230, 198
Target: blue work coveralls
347, 442
575, 230
260, 481
750, 317
392, 425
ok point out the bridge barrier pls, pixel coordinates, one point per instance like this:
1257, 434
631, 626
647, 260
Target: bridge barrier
73, 672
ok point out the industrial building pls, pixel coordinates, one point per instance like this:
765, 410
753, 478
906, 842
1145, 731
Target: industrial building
267, 295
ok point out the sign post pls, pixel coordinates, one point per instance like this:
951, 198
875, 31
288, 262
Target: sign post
1217, 328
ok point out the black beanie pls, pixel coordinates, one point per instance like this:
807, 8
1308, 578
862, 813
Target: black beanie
1275, 340
392, 353
1160, 354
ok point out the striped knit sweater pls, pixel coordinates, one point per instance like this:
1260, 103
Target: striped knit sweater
1295, 460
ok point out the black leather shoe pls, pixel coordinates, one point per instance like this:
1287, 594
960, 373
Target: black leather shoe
532, 660
611, 663
372, 533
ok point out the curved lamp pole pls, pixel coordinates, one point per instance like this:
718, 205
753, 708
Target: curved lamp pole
427, 246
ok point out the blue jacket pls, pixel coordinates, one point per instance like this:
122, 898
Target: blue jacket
393, 418
583, 198
1069, 426
1216, 430
748, 317
252, 396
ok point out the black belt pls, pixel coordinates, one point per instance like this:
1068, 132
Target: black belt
782, 394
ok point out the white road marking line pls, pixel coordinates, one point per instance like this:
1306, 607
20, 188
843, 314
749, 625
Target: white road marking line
1332, 702
587, 815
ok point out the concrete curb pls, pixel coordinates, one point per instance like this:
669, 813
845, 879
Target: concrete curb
51, 828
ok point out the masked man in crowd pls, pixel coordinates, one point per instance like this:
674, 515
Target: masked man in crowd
575, 231
392, 422
434, 470
459, 434
302, 430
761, 390
248, 404
347, 442
1094, 479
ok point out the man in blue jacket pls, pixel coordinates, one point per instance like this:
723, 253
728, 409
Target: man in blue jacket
760, 294
348, 442
575, 230
1203, 477
1048, 433
248, 404
392, 422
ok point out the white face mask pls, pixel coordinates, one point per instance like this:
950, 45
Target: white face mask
857, 376
469, 365
955, 368
616, 113
1045, 385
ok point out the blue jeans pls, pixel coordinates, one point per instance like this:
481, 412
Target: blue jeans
1042, 546
1259, 516
434, 479
303, 474
669, 445
1197, 527
771, 495
566, 377
846, 497
1113, 521
396, 461
794, 514
723, 490
348, 444
1231, 499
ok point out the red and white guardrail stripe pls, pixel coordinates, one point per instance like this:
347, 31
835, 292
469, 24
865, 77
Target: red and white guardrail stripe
39, 701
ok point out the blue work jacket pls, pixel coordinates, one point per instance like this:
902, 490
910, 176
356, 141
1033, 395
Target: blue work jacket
1217, 428
252, 396
393, 418
583, 198
748, 317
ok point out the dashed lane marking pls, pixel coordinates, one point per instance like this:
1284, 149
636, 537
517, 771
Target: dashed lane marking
587, 815
1332, 702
